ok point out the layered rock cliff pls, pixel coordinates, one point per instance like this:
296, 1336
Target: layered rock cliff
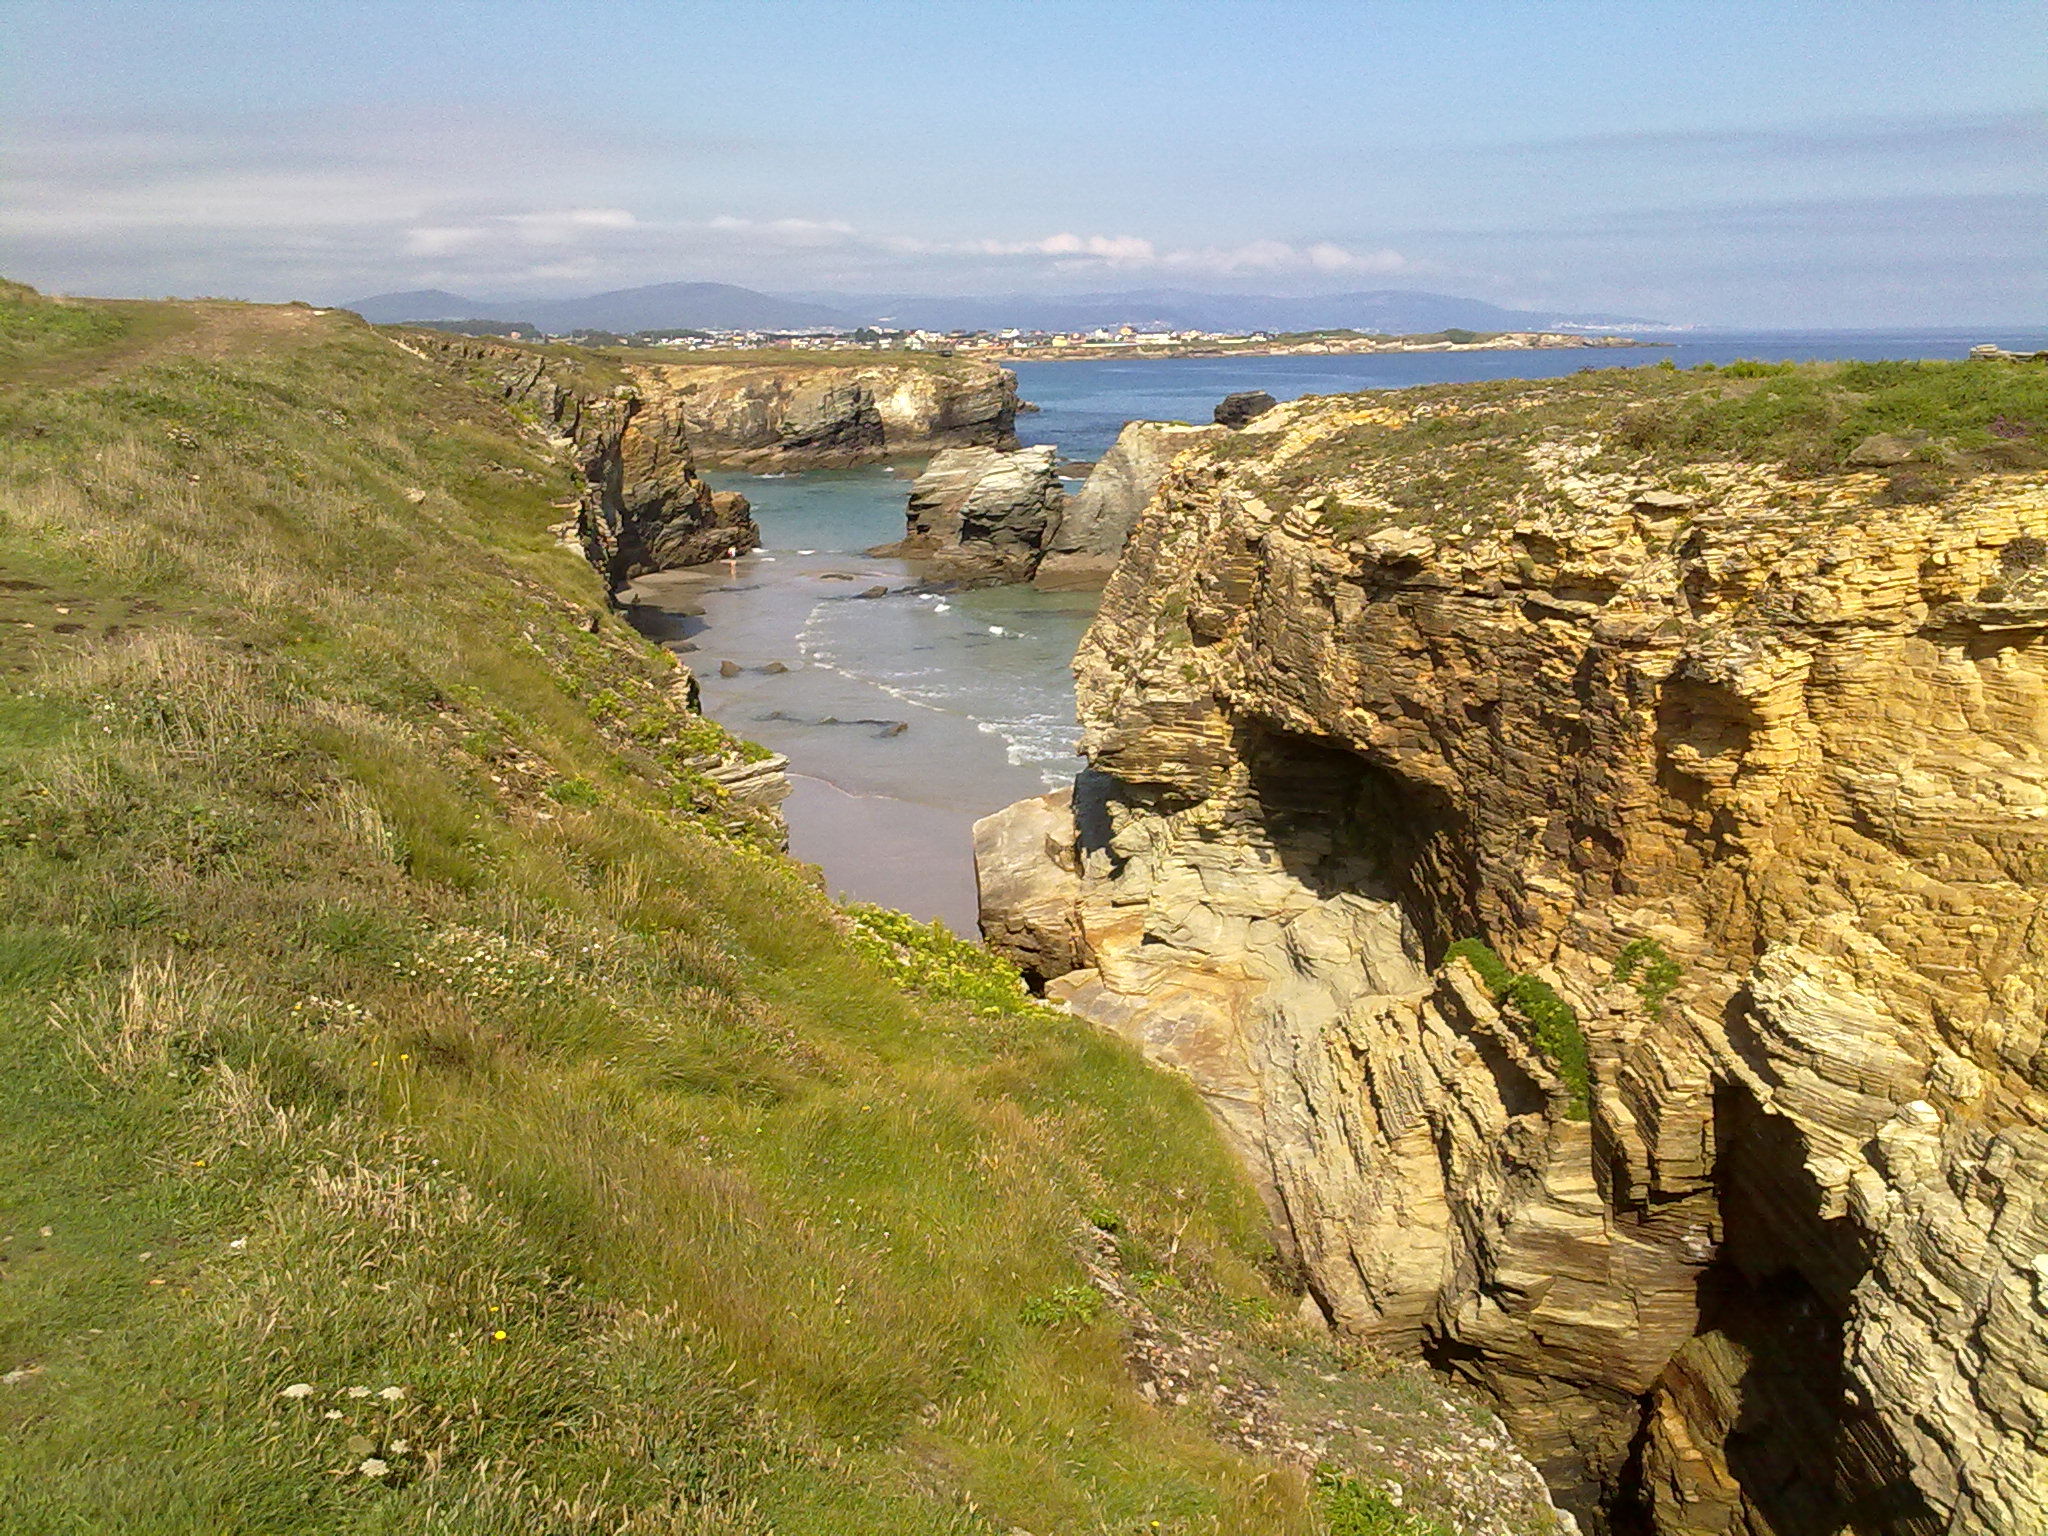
1728, 1176
643, 505
1083, 547
978, 515
812, 415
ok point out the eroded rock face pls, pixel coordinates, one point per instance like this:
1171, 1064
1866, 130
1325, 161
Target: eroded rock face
1096, 524
977, 514
773, 417
1790, 1273
643, 507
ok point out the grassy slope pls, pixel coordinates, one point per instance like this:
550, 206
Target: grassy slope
606, 364
1438, 454
384, 1007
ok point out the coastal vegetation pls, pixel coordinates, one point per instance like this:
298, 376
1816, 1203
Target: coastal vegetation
432, 1108
1547, 1021
1645, 965
1439, 455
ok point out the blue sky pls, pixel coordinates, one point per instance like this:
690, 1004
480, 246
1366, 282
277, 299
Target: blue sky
1772, 164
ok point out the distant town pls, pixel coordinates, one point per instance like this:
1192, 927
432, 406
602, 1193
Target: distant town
1013, 344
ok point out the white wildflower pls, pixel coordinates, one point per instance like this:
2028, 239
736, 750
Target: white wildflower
392, 1394
358, 1391
400, 1447
298, 1389
332, 1413
239, 1243
372, 1467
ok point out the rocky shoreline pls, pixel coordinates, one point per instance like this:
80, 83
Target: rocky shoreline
1597, 889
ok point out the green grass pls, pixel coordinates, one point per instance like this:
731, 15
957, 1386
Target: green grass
1461, 456
389, 1003
33, 327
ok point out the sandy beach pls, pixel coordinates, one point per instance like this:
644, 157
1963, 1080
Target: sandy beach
906, 716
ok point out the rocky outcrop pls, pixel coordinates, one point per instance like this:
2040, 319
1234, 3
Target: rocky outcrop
1243, 408
814, 415
643, 505
1729, 1180
982, 515
1091, 533
979, 515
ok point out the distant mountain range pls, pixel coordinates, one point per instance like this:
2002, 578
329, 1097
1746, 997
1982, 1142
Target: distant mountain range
1396, 311
663, 306
722, 306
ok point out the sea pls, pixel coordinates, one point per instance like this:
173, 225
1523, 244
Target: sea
908, 712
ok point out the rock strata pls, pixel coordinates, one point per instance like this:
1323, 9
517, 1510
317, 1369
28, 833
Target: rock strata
772, 417
980, 515
643, 505
1749, 774
1082, 549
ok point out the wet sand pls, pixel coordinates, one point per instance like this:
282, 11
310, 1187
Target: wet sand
886, 787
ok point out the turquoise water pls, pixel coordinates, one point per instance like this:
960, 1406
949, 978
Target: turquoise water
906, 712
907, 715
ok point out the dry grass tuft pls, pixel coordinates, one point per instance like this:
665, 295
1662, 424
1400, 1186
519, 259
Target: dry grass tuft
128, 1028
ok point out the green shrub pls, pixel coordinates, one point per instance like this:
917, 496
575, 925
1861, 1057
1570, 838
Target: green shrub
1480, 956
931, 958
1550, 1023
1751, 368
1069, 1305
1353, 1508
1644, 964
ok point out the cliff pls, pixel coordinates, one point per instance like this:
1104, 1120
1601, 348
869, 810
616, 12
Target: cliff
980, 516
1723, 1168
1082, 547
642, 507
795, 412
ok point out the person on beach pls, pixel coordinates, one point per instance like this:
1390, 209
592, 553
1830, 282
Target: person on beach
732, 561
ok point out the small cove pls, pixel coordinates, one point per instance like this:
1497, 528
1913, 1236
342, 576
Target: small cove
908, 715
905, 715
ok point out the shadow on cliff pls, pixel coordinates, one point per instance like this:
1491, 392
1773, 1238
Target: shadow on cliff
1343, 825
1809, 1460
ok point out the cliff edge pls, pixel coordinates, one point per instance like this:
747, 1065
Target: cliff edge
798, 413
643, 506
1586, 840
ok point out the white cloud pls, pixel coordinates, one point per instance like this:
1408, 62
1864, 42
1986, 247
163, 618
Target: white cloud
288, 206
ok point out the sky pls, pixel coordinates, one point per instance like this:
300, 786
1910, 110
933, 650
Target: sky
1788, 164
